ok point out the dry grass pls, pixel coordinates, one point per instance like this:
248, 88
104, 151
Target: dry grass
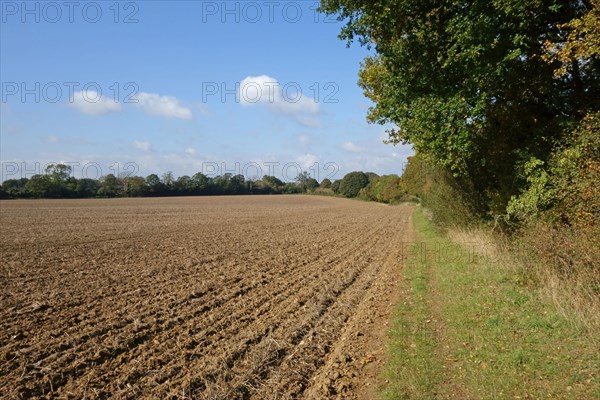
540, 259
565, 265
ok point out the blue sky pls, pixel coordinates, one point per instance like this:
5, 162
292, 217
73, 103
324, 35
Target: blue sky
184, 86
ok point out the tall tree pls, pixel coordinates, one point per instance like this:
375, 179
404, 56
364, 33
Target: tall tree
466, 83
155, 186
306, 182
352, 183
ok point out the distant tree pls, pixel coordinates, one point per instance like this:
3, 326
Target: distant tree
270, 185
384, 189
335, 186
183, 185
137, 186
251, 186
168, 180
39, 186
306, 182
371, 175
155, 186
272, 180
221, 183
87, 187
291, 188
69, 187
59, 172
237, 184
58, 175
325, 184
110, 186
352, 183
201, 183
15, 187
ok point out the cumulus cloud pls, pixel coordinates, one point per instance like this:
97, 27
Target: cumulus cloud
307, 160
285, 99
140, 145
90, 102
162, 106
353, 148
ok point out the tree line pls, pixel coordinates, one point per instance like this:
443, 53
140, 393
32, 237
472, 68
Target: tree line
493, 92
58, 182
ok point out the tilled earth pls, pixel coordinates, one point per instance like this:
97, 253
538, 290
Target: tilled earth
246, 297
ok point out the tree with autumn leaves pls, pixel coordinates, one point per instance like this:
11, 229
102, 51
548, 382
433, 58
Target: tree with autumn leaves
482, 89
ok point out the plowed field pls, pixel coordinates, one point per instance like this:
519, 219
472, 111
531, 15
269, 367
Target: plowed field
260, 297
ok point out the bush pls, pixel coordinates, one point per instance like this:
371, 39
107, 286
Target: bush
352, 183
452, 202
562, 206
384, 189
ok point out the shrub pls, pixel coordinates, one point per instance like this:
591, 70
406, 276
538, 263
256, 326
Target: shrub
453, 202
352, 183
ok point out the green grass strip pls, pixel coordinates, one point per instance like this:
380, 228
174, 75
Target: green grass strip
467, 328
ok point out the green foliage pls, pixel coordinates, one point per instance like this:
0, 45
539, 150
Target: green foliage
325, 184
15, 188
352, 183
567, 189
335, 186
451, 200
306, 182
237, 184
200, 182
325, 192
561, 204
269, 185
39, 186
135, 186
371, 176
109, 186
467, 84
581, 42
291, 188
183, 184
155, 186
168, 179
57, 183
467, 328
538, 196
384, 189
87, 187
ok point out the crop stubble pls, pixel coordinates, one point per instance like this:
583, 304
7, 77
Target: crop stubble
203, 297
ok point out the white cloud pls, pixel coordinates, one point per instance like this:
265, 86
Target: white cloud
163, 106
90, 102
190, 151
353, 148
52, 139
283, 99
307, 160
144, 146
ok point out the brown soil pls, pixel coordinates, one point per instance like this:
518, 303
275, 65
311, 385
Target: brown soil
260, 297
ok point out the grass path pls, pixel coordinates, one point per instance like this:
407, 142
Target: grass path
468, 329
